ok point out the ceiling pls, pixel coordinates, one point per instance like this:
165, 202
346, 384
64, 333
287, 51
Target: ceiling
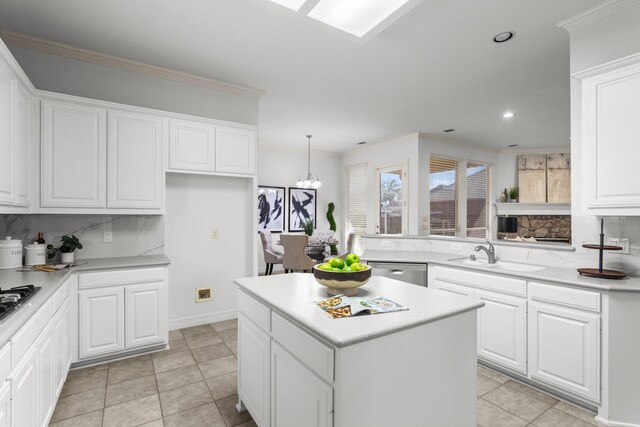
434, 68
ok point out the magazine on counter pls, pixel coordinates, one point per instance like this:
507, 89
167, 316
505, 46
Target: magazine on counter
344, 306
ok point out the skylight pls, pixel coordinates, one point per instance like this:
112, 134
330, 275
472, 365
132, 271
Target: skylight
356, 17
291, 4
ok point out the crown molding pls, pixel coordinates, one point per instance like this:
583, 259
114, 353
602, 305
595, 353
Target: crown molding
296, 149
595, 14
608, 66
93, 57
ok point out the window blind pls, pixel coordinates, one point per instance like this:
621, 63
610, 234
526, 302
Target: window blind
443, 196
478, 184
356, 204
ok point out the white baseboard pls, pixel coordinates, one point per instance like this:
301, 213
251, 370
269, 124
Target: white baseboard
202, 319
614, 423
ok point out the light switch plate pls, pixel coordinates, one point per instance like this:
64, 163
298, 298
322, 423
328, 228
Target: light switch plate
619, 241
214, 233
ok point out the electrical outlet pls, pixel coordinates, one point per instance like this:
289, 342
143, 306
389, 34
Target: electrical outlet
107, 236
456, 246
385, 243
214, 233
203, 294
619, 241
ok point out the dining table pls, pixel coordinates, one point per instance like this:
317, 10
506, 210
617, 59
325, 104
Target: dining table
315, 248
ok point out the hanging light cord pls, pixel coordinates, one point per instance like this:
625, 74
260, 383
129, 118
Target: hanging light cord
309, 157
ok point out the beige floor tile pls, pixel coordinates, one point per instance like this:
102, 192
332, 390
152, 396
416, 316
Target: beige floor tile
202, 416
131, 390
517, 403
217, 367
496, 376
186, 397
129, 369
178, 344
555, 417
223, 385
203, 340
210, 352
485, 385
233, 346
491, 416
92, 419
225, 324
229, 335
173, 361
248, 424
178, 377
155, 423
514, 385
232, 417
182, 346
579, 413
88, 370
175, 334
83, 380
133, 413
79, 404
195, 330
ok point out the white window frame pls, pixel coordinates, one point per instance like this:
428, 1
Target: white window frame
404, 167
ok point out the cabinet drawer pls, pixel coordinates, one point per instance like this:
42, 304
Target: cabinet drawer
578, 298
506, 285
315, 355
254, 310
23, 339
120, 277
5, 362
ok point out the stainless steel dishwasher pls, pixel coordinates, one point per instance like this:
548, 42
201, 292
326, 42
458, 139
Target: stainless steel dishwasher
405, 272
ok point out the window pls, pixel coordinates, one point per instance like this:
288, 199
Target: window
459, 207
391, 217
356, 204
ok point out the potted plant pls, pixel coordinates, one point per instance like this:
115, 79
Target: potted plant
332, 225
513, 194
68, 245
307, 226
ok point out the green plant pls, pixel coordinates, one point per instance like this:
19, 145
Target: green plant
332, 225
307, 226
68, 244
513, 193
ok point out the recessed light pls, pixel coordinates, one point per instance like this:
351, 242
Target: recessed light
362, 142
291, 4
504, 37
512, 145
448, 130
508, 115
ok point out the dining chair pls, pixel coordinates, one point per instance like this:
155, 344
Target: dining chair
295, 257
348, 248
271, 255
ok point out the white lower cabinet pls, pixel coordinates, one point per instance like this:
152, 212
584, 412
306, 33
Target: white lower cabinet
62, 334
253, 379
101, 321
122, 310
24, 391
564, 349
46, 375
5, 404
298, 397
502, 330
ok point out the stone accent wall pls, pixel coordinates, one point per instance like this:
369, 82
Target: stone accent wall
544, 226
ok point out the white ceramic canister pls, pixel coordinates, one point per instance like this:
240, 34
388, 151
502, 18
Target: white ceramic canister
35, 254
10, 253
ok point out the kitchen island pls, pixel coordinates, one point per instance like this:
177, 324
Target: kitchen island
298, 367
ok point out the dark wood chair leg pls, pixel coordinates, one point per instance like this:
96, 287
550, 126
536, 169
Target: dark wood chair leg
266, 269
270, 269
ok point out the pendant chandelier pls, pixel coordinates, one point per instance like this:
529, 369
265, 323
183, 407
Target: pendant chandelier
310, 181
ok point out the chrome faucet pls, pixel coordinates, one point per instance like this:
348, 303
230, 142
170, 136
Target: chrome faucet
491, 252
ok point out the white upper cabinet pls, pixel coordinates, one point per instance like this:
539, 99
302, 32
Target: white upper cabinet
610, 149
235, 150
24, 134
74, 148
192, 146
7, 134
134, 177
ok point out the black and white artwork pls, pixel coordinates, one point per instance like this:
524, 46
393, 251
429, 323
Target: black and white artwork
302, 206
271, 208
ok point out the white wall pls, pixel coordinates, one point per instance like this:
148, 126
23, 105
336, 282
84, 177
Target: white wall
64, 75
281, 167
195, 205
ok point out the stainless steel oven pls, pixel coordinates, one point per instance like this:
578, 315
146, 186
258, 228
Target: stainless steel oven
405, 272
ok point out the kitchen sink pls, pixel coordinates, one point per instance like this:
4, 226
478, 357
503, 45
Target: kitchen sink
504, 265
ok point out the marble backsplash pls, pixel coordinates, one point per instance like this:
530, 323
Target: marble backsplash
132, 234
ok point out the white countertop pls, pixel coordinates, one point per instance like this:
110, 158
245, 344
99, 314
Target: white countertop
560, 275
292, 295
50, 282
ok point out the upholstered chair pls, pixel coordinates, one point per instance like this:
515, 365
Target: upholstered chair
271, 255
295, 257
348, 248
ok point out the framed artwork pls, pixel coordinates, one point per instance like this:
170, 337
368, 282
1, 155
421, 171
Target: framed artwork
302, 206
271, 208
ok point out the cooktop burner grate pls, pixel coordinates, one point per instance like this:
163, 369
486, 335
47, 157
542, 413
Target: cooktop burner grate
12, 299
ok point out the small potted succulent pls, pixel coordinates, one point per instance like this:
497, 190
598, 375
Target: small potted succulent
68, 245
513, 194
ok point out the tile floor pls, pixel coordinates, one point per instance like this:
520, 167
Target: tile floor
195, 384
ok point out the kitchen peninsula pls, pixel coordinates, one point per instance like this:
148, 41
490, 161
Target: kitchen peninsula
299, 367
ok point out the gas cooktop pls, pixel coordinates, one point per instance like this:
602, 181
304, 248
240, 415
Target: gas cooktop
12, 299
